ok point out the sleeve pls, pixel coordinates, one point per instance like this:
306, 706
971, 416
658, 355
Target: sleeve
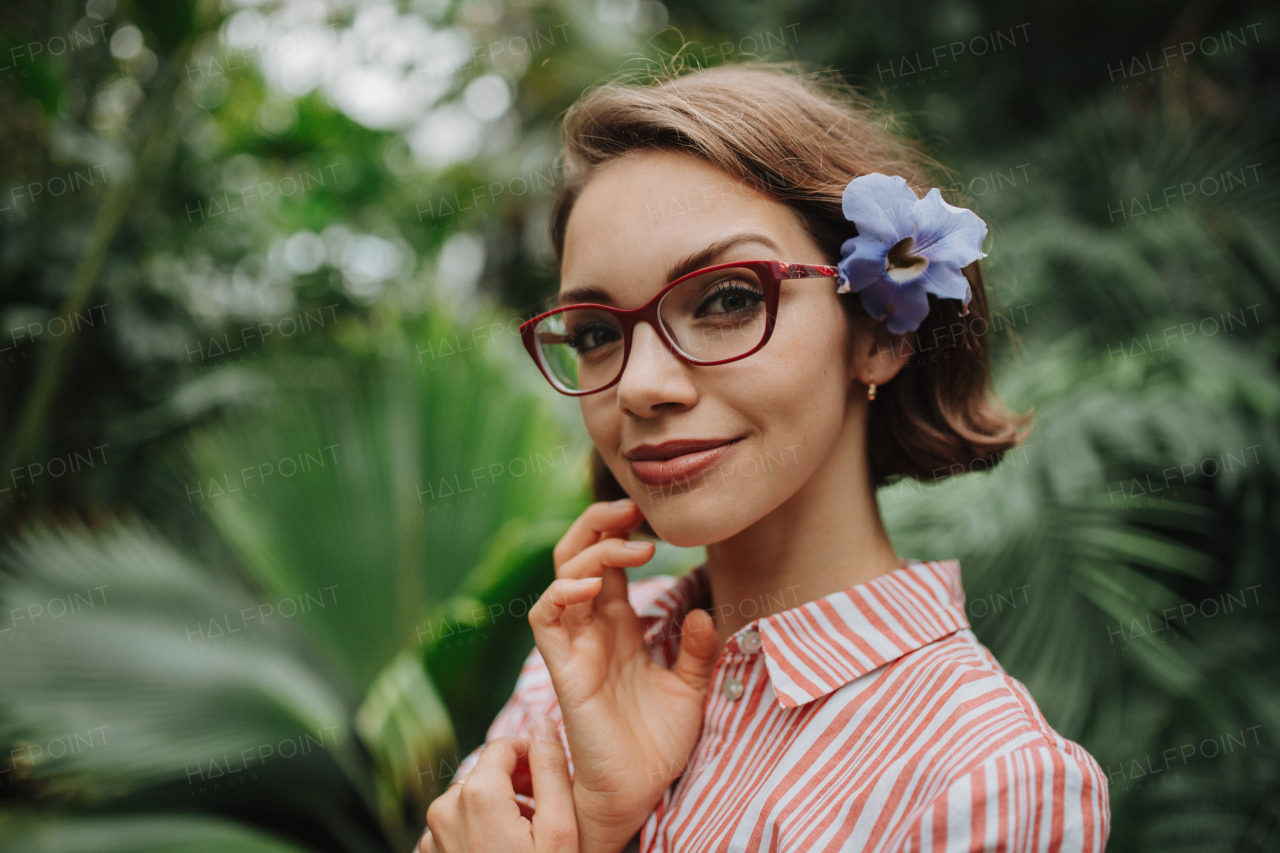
1036, 799
534, 697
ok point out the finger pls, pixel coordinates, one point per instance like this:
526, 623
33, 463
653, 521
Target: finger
495, 767
561, 605
555, 827
599, 521
442, 819
488, 805
555, 617
597, 559
699, 645
431, 844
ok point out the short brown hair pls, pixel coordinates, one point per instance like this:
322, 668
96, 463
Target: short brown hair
800, 137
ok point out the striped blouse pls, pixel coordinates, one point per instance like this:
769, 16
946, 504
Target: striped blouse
871, 719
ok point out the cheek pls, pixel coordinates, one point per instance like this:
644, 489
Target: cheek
802, 375
603, 420
796, 391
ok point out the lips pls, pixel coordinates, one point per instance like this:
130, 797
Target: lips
674, 461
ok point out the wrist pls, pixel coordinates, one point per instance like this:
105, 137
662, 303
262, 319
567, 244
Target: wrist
600, 834
595, 838
585, 846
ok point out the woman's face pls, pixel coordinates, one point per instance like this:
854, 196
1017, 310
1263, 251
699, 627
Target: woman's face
776, 414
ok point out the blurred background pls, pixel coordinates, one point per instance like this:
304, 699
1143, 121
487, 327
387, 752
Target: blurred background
279, 484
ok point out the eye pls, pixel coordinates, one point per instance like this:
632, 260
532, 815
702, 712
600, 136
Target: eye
730, 297
589, 336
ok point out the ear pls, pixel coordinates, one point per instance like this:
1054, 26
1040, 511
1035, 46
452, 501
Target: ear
875, 354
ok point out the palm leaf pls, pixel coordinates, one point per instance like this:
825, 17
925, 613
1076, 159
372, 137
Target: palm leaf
160, 681
391, 486
155, 833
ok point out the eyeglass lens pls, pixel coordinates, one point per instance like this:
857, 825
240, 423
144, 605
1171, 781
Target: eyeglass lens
710, 317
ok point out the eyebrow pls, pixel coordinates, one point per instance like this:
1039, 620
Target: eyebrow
684, 266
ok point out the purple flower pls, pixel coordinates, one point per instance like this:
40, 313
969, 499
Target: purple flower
906, 247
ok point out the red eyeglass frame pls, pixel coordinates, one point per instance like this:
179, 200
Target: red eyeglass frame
771, 274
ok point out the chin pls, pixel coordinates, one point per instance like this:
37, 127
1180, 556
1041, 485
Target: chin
696, 518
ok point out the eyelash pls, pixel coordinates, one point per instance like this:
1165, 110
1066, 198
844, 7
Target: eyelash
724, 287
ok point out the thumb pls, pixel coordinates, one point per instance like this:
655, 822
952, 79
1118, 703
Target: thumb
698, 647
555, 824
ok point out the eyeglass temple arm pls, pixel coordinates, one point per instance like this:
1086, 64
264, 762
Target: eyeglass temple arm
788, 271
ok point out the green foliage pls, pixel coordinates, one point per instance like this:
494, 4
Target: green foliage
131, 684
387, 484
338, 499
1143, 337
157, 833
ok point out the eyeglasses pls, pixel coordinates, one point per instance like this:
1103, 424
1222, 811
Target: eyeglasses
711, 316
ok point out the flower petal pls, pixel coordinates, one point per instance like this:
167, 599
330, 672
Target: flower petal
877, 296
911, 306
880, 205
862, 260
944, 280
947, 233
861, 273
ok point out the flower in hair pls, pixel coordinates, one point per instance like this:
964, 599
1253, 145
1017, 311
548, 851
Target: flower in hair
906, 248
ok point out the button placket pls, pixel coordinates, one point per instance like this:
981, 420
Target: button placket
744, 646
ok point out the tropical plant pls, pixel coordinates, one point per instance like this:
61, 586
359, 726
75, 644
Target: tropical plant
1117, 562
288, 690
1120, 563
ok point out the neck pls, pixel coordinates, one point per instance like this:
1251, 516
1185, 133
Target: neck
826, 537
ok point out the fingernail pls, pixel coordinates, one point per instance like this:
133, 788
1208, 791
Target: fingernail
546, 729
636, 546
623, 502
583, 583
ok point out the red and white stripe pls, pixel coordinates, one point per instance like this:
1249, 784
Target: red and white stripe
871, 719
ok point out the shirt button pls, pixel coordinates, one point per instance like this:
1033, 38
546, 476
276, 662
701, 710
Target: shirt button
733, 689
751, 642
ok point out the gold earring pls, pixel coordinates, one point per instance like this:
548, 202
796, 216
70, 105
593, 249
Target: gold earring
871, 391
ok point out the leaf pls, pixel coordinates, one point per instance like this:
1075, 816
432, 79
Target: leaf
140, 672
146, 833
405, 724
386, 488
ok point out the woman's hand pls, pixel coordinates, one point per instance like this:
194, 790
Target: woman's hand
631, 723
482, 814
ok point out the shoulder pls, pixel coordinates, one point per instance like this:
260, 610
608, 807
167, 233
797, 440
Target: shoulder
1037, 798
998, 756
969, 683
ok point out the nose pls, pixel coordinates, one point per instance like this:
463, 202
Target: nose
654, 380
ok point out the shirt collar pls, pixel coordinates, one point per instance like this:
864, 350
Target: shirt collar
817, 647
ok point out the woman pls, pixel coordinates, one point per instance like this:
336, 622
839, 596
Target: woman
778, 319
